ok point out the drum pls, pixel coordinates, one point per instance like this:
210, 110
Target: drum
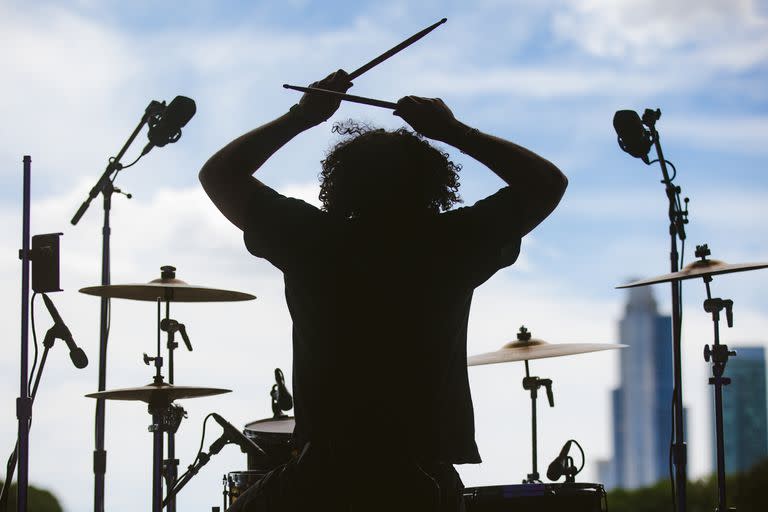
274, 436
568, 497
239, 481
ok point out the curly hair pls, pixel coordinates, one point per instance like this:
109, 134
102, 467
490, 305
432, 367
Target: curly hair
370, 166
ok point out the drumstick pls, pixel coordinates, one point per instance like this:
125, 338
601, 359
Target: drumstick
389, 53
343, 96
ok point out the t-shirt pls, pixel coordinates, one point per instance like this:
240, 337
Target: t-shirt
380, 314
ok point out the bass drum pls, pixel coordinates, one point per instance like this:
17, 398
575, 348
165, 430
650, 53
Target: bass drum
275, 437
569, 497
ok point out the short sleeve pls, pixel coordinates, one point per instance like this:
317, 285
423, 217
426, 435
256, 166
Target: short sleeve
487, 234
280, 229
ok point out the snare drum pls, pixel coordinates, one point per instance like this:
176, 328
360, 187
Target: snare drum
239, 481
572, 497
274, 436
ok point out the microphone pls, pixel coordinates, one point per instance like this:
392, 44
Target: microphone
77, 355
633, 137
165, 127
280, 393
559, 466
232, 435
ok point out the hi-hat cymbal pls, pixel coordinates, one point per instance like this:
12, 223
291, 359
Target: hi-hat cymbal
699, 268
526, 348
167, 288
157, 393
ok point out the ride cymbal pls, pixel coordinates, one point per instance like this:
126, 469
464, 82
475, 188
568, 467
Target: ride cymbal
700, 268
157, 393
526, 348
167, 288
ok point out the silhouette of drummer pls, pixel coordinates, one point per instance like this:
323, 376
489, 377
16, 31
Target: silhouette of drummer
379, 284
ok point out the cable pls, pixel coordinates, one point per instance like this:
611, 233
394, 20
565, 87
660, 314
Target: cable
34, 338
583, 458
199, 451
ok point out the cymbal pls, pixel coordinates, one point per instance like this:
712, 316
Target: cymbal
526, 348
700, 268
154, 393
167, 288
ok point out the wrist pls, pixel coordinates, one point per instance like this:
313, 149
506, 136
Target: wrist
459, 133
298, 115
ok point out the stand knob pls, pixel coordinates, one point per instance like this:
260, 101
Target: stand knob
168, 272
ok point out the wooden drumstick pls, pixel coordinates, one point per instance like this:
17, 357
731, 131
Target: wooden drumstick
392, 51
345, 97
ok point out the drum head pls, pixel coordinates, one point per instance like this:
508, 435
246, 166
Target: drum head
272, 426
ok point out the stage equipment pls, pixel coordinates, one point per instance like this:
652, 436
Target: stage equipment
573, 497
45, 263
718, 354
166, 416
155, 116
524, 349
281, 397
563, 464
168, 289
633, 139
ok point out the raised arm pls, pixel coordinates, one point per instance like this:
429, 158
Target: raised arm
227, 176
540, 183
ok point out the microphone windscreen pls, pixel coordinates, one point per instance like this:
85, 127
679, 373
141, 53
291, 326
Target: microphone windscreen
634, 139
78, 357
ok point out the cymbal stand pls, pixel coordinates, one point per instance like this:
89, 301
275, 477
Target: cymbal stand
533, 384
165, 418
718, 354
175, 412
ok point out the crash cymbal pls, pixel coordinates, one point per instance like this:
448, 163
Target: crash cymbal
700, 268
157, 393
167, 288
526, 348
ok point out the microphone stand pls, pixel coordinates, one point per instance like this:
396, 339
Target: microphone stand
677, 220
24, 402
105, 186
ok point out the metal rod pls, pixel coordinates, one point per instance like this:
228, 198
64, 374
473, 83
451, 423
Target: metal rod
392, 51
170, 462
24, 404
344, 96
679, 449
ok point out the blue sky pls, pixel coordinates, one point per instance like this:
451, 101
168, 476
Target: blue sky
546, 74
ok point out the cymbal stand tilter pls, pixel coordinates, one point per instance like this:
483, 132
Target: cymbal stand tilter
176, 412
718, 354
166, 418
533, 384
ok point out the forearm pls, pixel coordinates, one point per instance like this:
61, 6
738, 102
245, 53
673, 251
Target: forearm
517, 166
238, 160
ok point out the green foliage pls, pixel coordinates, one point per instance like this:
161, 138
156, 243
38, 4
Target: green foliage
747, 492
38, 500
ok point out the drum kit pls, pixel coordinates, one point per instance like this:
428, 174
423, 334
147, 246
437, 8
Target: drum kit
272, 437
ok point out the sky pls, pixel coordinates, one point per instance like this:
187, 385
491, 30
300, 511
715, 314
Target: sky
549, 75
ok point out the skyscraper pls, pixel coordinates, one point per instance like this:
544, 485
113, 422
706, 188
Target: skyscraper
642, 417
745, 419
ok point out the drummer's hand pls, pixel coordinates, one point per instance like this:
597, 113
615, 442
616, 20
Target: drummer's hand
430, 117
316, 108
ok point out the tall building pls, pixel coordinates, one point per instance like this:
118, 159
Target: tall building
745, 419
642, 416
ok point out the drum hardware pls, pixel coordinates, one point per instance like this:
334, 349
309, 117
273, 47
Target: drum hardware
574, 497
524, 349
718, 354
168, 288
